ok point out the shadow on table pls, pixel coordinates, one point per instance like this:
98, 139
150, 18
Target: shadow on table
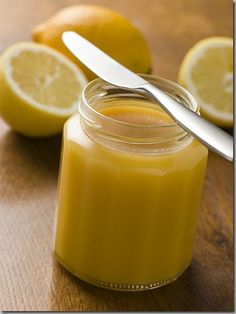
28, 164
197, 289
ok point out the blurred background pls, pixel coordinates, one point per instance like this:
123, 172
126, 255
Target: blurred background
171, 27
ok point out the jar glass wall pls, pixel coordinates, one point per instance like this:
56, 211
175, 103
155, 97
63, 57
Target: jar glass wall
129, 189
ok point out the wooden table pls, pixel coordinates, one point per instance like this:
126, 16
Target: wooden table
30, 278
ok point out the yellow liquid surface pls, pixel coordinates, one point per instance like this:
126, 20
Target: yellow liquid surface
137, 115
126, 218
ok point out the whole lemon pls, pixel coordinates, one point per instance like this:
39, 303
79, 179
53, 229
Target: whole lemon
107, 29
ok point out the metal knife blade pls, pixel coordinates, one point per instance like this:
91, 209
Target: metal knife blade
102, 64
113, 72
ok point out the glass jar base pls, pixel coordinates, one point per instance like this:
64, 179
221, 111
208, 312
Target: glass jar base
121, 287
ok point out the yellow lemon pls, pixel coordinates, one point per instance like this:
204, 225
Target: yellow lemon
107, 29
39, 89
207, 72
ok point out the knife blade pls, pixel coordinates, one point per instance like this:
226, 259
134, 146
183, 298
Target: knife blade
100, 63
112, 72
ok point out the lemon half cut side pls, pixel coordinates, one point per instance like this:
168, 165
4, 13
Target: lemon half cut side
39, 89
207, 72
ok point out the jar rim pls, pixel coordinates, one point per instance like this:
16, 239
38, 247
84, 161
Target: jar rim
107, 129
191, 101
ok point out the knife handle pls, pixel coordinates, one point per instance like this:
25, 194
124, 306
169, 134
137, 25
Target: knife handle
209, 134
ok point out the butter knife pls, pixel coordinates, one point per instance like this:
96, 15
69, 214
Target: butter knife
112, 72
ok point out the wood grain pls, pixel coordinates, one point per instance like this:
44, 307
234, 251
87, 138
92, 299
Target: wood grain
30, 278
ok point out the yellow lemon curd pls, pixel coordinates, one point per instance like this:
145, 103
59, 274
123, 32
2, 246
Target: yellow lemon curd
126, 220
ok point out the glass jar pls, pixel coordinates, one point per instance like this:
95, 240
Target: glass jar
128, 191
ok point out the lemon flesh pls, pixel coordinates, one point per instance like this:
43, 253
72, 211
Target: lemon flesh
107, 29
39, 89
207, 72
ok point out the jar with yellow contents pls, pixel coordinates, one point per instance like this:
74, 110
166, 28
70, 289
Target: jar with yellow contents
129, 189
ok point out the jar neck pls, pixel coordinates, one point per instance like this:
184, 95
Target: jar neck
126, 136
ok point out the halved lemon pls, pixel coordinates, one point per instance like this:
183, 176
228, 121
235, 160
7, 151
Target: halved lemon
39, 89
207, 72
